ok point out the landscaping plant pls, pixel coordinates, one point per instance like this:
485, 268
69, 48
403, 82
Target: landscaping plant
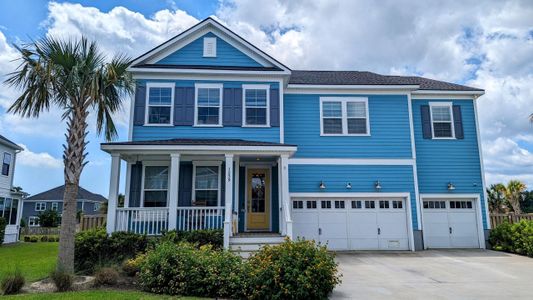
515, 238
213, 237
62, 280
106, 276
49, 218
132, 266
3, 224
12, 283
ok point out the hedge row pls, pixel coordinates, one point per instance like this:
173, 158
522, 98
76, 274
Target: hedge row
515, 238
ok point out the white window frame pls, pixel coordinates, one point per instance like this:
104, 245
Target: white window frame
154, 164
208, 40
9, 164
38, 206
255, 87
54, 206
449, 105
207, 164
150, 85
198, 86
344, 115
96, 206
33, 221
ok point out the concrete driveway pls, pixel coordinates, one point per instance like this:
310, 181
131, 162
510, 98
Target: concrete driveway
435, 274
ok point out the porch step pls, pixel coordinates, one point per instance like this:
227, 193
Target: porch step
246, 244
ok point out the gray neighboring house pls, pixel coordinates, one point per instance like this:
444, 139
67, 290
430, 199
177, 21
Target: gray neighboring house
9, 198
88, 202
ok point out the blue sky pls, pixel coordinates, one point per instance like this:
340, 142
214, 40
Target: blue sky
487, 45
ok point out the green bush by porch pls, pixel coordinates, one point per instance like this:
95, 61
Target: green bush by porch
515, 238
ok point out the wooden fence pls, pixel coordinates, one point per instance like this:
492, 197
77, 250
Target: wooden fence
92, 221
497, 219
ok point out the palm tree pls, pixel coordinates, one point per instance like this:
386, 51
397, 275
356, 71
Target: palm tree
514, 193
496, 197
76, 77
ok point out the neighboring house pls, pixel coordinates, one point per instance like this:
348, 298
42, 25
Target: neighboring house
355, 159
10, 204
87, 202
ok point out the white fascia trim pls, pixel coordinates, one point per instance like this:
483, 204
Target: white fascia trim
349, 195
208, 77
445, 92
449, 196
352, 87
281, 113
442, 97
352, 161
118, 148
350, 92
415, 167
203, 71
482, 165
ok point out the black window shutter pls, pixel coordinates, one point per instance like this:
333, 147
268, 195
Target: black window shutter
135, 185
184, 106
426, 122
139, 105
274, 108
185, 185
458, 122
237, 106
228, 111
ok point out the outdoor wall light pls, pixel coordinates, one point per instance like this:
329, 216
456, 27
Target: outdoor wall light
377, 185
451, 186
349, 185
322, 186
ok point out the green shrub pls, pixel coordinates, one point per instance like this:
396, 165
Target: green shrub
27, 238
34, 239
106, 276
12, 283
95, 248
292, 270
62, 280
213, 237
49, 218
22, 223
516, 238
183, 269
44, 238
133, 265
3, 225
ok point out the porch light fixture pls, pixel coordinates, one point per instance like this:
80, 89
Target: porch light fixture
451, 186
377, 185
349, 185
322, 186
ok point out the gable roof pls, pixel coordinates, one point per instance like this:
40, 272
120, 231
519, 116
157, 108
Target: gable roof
368, 78
211, 24
8, 143
57, 194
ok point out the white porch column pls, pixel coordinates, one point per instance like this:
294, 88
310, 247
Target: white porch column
173, 186
114, 180
236, 190
285, 194
228, 198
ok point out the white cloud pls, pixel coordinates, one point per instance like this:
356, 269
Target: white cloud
38, 160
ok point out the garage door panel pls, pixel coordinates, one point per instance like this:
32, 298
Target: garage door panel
305, 225
392, 224
333, 225
361, 225
393, 243
364, 243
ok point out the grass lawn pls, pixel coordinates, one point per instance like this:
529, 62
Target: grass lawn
34, 260
94, 294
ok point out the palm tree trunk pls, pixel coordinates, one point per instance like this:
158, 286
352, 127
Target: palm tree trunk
73, 158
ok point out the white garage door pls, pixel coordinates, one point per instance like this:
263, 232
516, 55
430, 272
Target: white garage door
352, 224
450, 223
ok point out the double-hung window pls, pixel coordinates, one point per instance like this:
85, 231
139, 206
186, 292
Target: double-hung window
6, 164
33, 221
256, 105
54, 206
155, 186
40, 206
344, 116
208, 105
442, 120
206, 184
159, 103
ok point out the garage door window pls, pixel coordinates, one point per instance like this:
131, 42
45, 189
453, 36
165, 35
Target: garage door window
461, 204
356, 204
397, 204
435, 204
325, 204
311, 204
339, 204
297, 204
370, 204
383, 204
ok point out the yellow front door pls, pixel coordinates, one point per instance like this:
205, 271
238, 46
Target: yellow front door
258, 199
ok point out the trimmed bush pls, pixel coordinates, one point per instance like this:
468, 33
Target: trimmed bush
292, 270
44, 238
132, 266
106, 276
27, 238
12, 283
183, 269
62, 280
3, 225
213, 237
34, 239
515, 238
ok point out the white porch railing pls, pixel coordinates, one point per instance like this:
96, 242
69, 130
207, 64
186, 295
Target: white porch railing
142, 220
198, 218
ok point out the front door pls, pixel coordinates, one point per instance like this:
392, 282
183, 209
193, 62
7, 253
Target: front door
258, 199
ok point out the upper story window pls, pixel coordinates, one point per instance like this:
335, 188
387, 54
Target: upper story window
40, 206
256, 105
442, 120
6, 164
344, 116
206, 184
54, 206
208, 105
210, 47
159, 102
155, 186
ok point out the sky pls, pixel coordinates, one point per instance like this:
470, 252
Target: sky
486, 44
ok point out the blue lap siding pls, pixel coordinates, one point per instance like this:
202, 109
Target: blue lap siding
443, 161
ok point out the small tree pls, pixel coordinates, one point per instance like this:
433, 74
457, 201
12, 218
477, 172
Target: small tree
514, 194
49, 218
496, 198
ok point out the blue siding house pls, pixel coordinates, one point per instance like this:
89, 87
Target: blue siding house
224, 136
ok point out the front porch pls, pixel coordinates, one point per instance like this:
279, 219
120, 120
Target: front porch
186, 184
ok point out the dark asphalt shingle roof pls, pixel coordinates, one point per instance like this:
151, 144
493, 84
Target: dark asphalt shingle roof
8, 142
57, 194
369, 78
200, 142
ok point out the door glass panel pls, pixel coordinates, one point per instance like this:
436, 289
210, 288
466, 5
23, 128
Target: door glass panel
258, 192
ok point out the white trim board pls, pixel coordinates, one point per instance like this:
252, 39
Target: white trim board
348, 195
352, 87
482, 165
415, 167
352, 161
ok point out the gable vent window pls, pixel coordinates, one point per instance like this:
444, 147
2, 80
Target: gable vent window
210, 47
344, 116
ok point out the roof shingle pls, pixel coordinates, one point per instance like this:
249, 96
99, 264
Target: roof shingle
57, 194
